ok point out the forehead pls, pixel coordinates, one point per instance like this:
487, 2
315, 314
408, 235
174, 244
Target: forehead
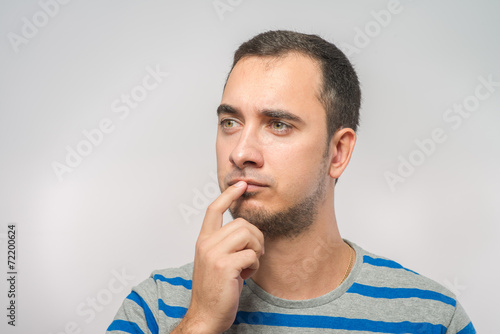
292, 82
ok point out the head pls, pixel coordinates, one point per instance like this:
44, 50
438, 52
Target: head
339, 92
287, 123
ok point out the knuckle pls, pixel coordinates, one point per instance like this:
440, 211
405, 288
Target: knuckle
210, 260
211, 207
202, 246
240, 221
244, 232
219, 264
255, 232
210, 256
258, 233
252, 256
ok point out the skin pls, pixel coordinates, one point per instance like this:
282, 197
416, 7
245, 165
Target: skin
279, 159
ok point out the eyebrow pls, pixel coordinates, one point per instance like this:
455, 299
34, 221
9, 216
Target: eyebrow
271, 113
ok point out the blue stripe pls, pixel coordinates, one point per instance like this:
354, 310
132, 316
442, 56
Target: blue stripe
469, 329
172, 311
384, 263
188, 284
393, 293
150, 319
125, 326
319, 321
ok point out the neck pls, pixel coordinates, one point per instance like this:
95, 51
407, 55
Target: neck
307, 266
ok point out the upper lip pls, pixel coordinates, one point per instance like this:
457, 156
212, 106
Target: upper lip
248, 181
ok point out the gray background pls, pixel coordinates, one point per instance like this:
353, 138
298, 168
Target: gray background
136, 202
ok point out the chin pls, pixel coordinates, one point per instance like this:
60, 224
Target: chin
247, 209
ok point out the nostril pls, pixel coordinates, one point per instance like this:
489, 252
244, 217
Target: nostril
242, 162
246, 152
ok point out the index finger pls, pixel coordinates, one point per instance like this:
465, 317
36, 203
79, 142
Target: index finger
213, 217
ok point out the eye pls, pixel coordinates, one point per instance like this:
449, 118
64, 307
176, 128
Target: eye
228, 123
280, 127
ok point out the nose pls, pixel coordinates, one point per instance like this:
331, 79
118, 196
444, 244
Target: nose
247, 152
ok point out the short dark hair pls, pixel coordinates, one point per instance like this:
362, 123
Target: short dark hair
340, 93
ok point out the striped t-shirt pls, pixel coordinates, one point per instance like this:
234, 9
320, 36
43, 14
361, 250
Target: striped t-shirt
378, 296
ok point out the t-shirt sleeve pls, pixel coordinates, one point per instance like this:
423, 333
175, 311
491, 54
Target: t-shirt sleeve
138, 313
460, 322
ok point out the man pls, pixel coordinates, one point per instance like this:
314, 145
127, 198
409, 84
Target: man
287, 123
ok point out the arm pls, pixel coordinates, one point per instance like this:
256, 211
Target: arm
460, 322
136, 314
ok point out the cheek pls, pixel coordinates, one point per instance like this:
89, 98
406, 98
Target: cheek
222, 151
220, 157
294, 158
296, 169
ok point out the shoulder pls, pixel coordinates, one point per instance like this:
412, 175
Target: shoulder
172, 284
157, 303
174, 276
170, 279
378, 270
403, 291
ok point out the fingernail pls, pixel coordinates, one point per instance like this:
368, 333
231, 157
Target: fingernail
239, 184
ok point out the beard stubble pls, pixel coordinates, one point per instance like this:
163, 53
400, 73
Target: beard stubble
290, 222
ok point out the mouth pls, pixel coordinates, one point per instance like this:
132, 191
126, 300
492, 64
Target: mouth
252, 185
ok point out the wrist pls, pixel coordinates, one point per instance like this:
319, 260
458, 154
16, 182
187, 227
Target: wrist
194, 323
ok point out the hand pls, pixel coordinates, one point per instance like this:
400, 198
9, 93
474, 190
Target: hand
224, 257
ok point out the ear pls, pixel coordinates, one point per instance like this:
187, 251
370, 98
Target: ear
341, 147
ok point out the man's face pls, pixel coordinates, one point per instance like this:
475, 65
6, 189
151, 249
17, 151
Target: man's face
272, 134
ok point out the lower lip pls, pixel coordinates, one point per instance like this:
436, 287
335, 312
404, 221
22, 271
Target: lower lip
254, 187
